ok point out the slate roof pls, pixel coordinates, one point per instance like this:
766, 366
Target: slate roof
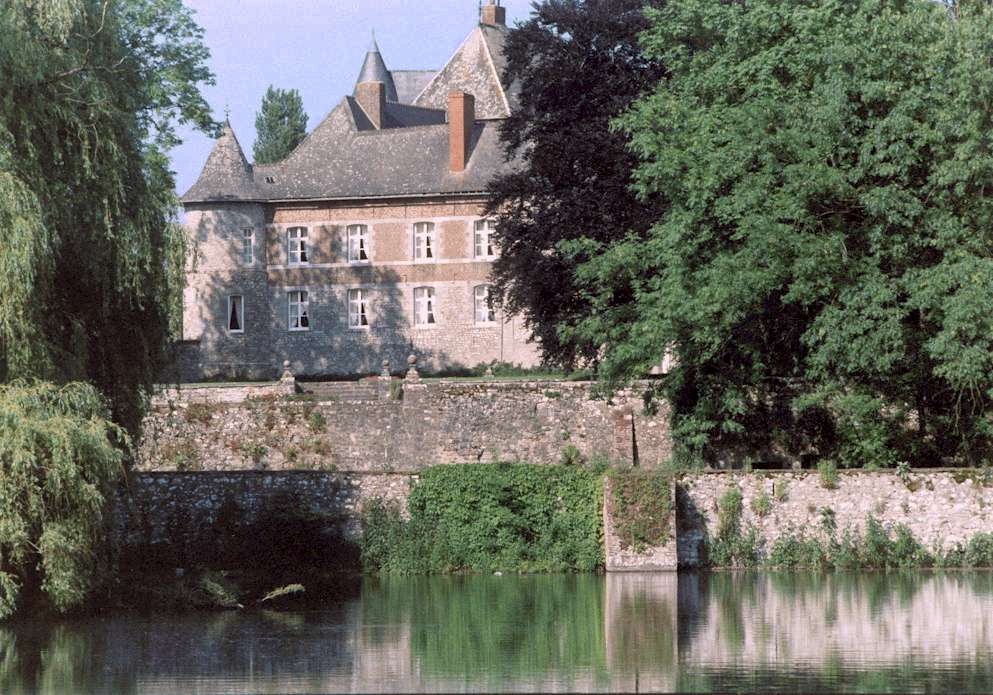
346, 157
227, 175
476, 68
410, 83
374, 70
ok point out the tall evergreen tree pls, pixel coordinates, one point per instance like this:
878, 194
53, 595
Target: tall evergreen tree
92, 92
578, 65
280, 125
825, 272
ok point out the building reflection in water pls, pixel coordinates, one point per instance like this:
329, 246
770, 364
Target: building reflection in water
628, 632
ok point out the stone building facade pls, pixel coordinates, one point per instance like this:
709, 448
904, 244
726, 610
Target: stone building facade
367, 243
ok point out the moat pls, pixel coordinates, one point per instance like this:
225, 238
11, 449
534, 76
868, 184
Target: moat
868, 632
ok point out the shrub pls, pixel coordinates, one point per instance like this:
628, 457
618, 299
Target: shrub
201, 413
254, 450
779, 487
486, 517
317, 422
396, 390
979, 551
729, 547
828, 472
182, 455
571, 456
642, 507
761, 504
791, 551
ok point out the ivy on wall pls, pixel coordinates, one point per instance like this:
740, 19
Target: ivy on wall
489, 517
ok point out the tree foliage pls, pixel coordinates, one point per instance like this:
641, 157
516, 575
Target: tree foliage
825, 272
280, 125
578, 65
92, 93
59, 459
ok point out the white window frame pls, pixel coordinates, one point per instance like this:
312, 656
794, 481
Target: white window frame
482, 239
358, 309
425, 307
298, 299
425, 248
248, 246
359, 251
296, 246
241, 313
483, 310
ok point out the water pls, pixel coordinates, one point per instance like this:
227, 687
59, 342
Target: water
879, 632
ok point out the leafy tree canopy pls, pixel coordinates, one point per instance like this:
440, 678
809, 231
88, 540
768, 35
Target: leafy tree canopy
280, 125
92, 93
578, 65
824, 276
59, 459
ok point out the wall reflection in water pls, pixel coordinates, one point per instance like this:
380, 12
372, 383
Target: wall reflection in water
630, 632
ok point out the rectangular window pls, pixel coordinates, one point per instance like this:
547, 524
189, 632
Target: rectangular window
424, 306
236, 314
358, 243
296, 245
484, 238
357, 317
481, 298
299, 308
248, 246
424, 241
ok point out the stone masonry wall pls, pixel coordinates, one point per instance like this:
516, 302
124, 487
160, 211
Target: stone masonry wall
941, 508
434, 423
180, 508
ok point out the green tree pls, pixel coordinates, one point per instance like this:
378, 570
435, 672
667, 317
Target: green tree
92, 93
825, 272
578, 65
59, 459
280, 125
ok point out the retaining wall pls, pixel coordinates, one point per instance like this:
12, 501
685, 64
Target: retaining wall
263, 428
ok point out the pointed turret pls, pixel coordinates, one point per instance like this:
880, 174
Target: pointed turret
374, 70
227, 175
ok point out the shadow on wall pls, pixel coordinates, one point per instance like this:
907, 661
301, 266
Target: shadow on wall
241, 321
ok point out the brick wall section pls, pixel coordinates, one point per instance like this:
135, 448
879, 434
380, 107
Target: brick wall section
217, 270
434, 423
940, 507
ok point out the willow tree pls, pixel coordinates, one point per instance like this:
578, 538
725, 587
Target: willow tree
59, 458
825, 273
93, 91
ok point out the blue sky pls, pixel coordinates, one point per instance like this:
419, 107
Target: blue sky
316, 47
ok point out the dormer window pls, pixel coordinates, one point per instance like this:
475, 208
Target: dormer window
296, 246
424, 241
358, 243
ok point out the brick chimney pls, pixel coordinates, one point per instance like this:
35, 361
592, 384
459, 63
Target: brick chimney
493, 15
372, 98
461, 117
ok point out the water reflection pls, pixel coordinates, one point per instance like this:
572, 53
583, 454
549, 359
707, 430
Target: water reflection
870, 632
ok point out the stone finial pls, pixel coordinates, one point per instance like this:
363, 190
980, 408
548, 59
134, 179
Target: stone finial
412, 374
287, 379
386, 370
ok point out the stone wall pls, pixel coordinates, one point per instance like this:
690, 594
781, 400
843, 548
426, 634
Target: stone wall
180, 509
247, 428
618, 558
941, 508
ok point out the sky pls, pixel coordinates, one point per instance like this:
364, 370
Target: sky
316, 47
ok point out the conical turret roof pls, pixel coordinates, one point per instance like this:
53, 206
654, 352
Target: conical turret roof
227, 175
374, 70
